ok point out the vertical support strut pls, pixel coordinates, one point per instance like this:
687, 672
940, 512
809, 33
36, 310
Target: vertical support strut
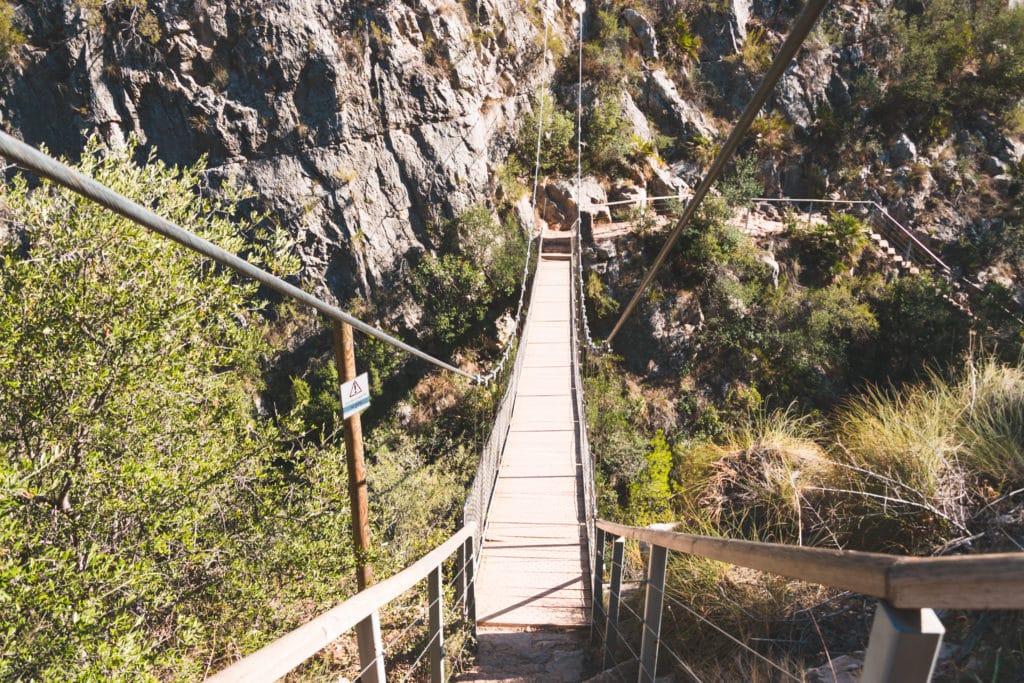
611, 632
654, 601
597, 607
470, 603
903, 646
435, 594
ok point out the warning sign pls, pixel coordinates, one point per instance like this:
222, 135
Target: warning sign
355, 396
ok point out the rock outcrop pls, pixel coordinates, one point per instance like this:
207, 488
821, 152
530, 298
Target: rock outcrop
358, 125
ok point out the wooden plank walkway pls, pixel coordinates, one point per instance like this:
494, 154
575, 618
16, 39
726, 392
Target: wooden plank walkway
533, 562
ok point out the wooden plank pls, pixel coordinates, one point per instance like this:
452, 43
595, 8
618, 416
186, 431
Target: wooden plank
993, 581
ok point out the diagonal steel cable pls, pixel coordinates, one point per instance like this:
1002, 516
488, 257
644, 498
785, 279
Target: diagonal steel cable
797, 35
674, 598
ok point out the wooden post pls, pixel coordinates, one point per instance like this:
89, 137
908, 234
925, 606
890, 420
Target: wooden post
368, 631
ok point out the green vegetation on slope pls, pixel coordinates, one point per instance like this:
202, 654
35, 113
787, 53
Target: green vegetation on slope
155, 520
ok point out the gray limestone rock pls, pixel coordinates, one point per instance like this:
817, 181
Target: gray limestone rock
636, 118
561, 196
902, 151
661, 93
356, 124
644, 31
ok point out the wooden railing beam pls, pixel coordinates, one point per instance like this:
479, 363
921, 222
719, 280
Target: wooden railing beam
992, 581
284, 654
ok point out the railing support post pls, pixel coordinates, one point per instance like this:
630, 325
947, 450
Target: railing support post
371, 650
469, 606
654, 601
597, 591
435, 594
611, 631
903, 646
460, 582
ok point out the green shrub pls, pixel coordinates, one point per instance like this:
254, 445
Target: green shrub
454, 294
604, 51
607, 133
613, 413
756, 52
957, 56
10, 37
827, 249
557, 148
601, 303
650, 495
497, 249
742, 185
683, 39
916, 329
149, 517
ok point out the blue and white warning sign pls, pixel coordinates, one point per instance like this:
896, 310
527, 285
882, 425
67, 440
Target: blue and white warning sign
355, 396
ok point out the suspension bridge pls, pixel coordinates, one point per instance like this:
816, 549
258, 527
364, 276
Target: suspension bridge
537, 577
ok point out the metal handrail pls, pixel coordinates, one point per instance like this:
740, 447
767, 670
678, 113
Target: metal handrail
46, 167
992, 581
861, 202
288, 652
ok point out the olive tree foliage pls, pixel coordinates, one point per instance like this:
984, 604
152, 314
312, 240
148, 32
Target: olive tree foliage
149, 517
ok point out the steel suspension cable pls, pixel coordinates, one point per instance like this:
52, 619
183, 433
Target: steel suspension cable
47, 167
801, 28
581, 10
506, 352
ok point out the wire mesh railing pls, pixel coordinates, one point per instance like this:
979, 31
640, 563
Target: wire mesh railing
414, 643
905, 634
584, 459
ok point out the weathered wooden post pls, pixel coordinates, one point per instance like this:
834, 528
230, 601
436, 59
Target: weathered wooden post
368, 631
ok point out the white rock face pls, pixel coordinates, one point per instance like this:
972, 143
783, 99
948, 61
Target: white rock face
662, 92
644, 31
358, 124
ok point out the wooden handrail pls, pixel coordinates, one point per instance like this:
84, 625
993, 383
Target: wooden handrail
992, 581
284, 654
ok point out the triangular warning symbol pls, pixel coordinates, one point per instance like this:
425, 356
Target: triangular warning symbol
355, 390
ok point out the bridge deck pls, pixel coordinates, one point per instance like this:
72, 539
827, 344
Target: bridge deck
533, 561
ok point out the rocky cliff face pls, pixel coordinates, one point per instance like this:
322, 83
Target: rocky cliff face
358, 123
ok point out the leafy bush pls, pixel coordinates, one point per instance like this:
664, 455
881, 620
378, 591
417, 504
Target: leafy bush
497, 249
649, 493
607, 133
557, 148
600, 301
683, 39
756, 52
742, 185
958, 56
604, 51
828, 249
147, 518
454, 293
10, 36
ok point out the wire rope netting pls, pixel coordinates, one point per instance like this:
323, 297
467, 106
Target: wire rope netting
723, 622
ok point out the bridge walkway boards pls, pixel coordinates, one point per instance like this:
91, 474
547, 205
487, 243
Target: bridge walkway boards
533, 559
533, 564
